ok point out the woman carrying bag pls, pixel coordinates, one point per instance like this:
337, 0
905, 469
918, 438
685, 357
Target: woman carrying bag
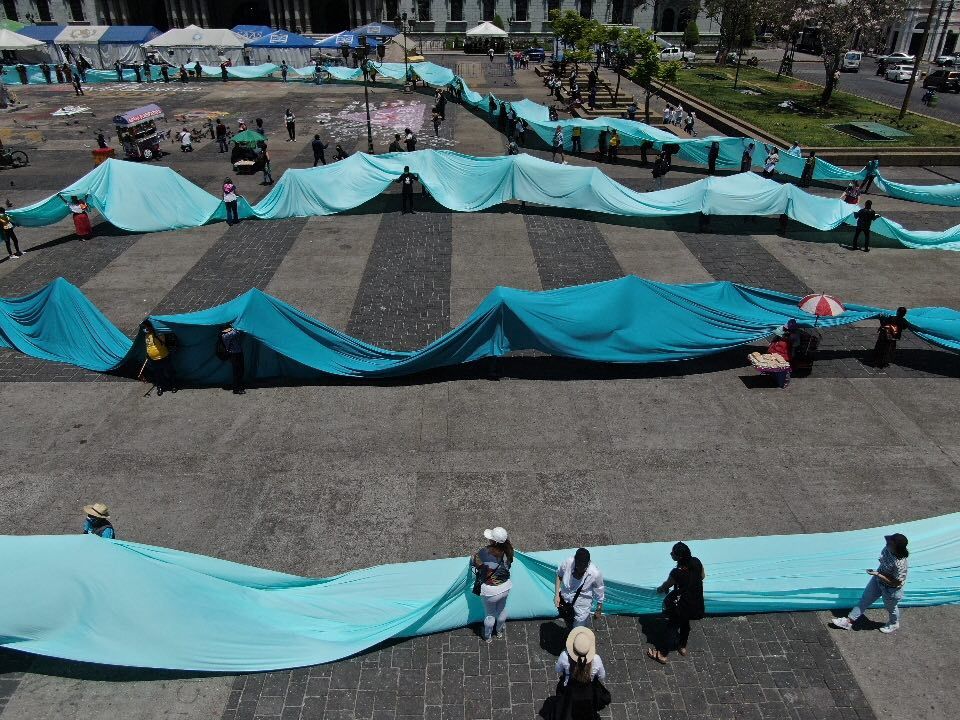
581, 691
492, 583
683, 603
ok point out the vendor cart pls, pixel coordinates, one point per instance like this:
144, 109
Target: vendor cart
137, 132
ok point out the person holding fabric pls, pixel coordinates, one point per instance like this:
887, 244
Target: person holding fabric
865, 217
97, 521
770, 163
158, 358
781, 346
147, 71
119, 68
318, 147
184, 75
873, 169
230, 200
221, 133
340, 153
317, 73
521, 132
851, 195
283, 70
886, 582
578, 583
683, 603
580, 689
614, 146
557, 145
891, 330
165, 73
806, 177
45, 71
660, 167
746, 160
233, 348
502, 118
712, 156
576, 136
265, 156
795, 150
409, 139
223, 71
9, 236
198, 70
406, 181
291, 122
81, 220
492, 567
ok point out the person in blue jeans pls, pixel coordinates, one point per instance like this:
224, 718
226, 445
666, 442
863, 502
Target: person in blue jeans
492, 567
886, 582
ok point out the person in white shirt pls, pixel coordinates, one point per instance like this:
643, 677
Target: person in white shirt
580, 653
795, 150
579, 583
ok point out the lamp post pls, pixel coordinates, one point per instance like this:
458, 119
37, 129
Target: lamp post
402, 26
362, 56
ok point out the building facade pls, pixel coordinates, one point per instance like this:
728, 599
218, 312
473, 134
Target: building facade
328, 16
906, 35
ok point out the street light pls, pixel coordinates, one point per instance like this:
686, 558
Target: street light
402, 26
365, 66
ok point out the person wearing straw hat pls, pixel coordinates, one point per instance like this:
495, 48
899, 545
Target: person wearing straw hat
579, 582
886, 582
579, 666
98, 521
492, 567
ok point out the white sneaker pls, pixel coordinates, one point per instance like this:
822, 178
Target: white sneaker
500, 635
889, 628
843, 623
489, 640
12, 256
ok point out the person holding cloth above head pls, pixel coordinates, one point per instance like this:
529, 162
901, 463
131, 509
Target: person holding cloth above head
98, 522
406, 181
886, 582
230, 200
81, 220
891, 329
579, 583
492, 567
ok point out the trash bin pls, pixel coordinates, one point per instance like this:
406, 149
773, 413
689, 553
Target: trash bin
101, 154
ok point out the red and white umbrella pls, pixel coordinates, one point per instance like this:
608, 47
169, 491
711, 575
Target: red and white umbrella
822, 305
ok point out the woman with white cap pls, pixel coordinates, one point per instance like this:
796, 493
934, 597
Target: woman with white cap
578, 667
492, 567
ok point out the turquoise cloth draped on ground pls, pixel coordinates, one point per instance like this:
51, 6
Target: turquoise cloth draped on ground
146, 198
629, 320
175, 610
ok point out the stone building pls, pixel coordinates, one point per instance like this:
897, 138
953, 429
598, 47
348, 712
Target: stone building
906, 35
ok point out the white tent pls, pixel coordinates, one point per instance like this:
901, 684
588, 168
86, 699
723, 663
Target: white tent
77, 40
10, 40
487, 29
193, 43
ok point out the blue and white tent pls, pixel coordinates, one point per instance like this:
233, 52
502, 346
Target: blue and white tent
122, 43
379, 30
253, 32
45, 33
281, 45
346, 38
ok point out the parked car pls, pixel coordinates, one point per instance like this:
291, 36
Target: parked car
949, 60
675, 53
896, 58
766, 37
851, 61
943, 81
899, 73
535, 54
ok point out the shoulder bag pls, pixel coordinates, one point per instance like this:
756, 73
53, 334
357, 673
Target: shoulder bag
565, 609
479, 577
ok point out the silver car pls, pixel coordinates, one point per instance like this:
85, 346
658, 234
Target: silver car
899, 73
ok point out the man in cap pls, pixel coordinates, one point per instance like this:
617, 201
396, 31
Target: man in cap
98, 521
886, 582
578, 584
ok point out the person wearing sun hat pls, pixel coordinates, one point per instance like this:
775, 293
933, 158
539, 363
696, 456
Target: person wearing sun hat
581, 671
98, 521
886, 582
492, 567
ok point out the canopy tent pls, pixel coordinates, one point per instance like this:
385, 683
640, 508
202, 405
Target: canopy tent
253, 32
138, 115
193, 43
486, 29
348, 39
282, 45
248, 137
10, 40
395, 45
49, 51
78, 41
123, 44
377, 30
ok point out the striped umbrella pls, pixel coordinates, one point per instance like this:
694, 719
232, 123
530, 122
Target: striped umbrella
822, 305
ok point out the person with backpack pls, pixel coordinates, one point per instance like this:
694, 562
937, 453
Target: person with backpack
683, 603
158, 358
491, 565
886, 582
579, 583
97, 521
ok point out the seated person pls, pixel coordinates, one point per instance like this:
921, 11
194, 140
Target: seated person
781, 346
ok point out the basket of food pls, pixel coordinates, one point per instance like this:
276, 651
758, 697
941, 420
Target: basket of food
768, 362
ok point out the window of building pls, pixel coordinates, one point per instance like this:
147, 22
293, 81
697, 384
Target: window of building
10, 9
667, 20
76, 10
391, 10
456, 10
622, 12
43, 10
489, 9
521, 10
423, 10
586, 8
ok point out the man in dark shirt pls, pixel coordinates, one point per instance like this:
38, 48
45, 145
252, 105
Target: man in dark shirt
808, 167
221, 132
230, 337
318, 146
396, 145
865, 218
406, 181
712, 157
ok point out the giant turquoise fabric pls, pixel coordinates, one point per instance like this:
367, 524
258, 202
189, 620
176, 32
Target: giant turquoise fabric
175, 610
629, 320
146, 198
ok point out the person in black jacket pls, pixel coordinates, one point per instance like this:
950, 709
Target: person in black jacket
865, 217
318, 146
683, 603
712, 157
808, 167
406, 181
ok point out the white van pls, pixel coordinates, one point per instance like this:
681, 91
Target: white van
851, 61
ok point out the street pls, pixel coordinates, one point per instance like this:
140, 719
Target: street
867, 84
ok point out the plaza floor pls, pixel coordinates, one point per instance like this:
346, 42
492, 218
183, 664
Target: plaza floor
324, 478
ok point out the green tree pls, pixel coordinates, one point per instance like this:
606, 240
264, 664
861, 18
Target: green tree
498, 21
691, 35
649, 71
569, 26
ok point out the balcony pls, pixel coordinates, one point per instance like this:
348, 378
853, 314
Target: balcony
456, 26
520, 26
423, 26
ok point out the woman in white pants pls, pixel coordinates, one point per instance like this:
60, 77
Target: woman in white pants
492, 565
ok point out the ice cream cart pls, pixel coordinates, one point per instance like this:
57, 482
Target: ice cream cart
137, 132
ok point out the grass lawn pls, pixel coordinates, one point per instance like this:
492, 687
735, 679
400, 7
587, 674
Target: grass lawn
807, 123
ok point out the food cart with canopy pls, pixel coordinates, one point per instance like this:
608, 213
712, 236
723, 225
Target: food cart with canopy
137, 132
